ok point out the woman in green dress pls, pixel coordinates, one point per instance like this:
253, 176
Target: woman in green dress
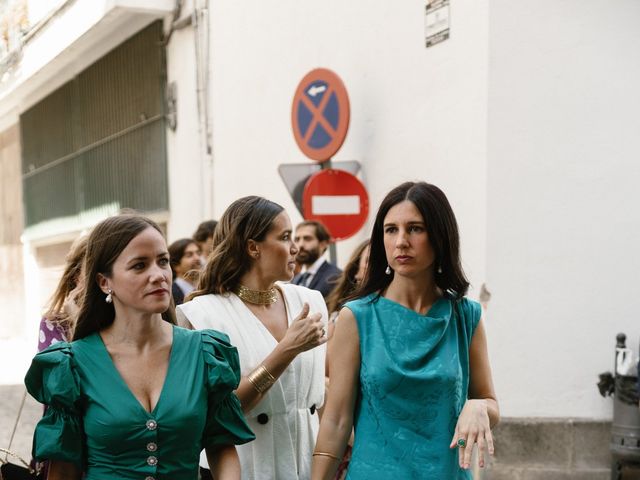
134, 396
409, 363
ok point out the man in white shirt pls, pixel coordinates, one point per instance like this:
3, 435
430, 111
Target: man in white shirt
312, 240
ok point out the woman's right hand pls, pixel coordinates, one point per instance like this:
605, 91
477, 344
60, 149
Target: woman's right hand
307, 331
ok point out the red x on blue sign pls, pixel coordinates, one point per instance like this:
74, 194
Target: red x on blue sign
320, 114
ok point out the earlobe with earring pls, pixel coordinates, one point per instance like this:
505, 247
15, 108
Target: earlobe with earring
109, 297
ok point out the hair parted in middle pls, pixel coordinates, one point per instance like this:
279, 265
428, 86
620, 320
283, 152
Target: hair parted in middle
105, 244
442, 229
248, 218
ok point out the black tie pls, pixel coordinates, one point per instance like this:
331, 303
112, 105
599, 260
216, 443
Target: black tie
302, 280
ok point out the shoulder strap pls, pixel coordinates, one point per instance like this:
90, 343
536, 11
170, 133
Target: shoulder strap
15, 427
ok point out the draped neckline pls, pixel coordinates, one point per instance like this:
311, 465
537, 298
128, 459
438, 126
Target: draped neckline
441, 308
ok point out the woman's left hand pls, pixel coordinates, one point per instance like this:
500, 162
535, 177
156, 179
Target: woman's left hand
473, 427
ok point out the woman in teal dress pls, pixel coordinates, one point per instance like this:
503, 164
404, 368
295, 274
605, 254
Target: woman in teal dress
408, 359
134, 396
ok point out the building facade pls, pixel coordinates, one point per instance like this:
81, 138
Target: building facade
526, 116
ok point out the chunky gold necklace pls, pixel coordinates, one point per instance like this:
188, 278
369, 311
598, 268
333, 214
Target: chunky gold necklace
257, 297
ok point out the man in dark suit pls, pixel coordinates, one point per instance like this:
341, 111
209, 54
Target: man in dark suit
312, 240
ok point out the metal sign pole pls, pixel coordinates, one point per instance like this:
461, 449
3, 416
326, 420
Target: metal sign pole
333, 251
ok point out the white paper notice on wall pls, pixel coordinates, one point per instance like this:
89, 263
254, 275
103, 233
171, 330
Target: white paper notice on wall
436, 22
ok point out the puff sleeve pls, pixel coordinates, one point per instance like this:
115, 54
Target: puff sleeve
225, 424
52, 380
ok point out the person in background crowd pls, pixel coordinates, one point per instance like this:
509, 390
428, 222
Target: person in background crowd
279, 329
348, 283
409, 362
349, 279
134, 396
204, 236
312, 240
185, 257
58, 321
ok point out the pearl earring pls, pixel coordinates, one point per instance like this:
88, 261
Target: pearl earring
109, 297
388, 270
439, 269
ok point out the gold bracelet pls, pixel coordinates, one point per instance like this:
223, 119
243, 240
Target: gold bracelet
324, 454
261, 379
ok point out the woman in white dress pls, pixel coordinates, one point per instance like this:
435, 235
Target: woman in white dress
278, 329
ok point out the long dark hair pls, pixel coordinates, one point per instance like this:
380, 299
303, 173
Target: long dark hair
347, 284
248, 218
105, 244
442, 230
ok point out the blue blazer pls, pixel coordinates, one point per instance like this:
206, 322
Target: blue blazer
324, 280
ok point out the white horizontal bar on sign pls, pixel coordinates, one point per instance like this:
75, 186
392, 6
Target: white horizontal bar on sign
335, 205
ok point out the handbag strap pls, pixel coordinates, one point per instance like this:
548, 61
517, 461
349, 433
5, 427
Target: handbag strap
15, 425
15, 455
8, 452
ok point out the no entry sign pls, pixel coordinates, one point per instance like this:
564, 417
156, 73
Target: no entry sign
320, 114
338, 200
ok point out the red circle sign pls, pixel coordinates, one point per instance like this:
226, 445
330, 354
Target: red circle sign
320, 114
338, 200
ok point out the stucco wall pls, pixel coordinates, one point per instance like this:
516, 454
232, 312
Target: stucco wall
563, 221
416, 113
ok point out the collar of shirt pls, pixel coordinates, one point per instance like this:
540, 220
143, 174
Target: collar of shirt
185, 286
313, 269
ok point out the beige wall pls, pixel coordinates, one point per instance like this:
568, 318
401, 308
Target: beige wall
11, 225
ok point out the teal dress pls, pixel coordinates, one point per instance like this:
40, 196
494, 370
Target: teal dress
94, 421
414, 378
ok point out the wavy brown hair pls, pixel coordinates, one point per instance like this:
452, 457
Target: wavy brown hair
68, 282
248, 218
442, 230
105, 244
347, 284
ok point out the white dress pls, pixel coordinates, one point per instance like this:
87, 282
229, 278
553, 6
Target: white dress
285, 427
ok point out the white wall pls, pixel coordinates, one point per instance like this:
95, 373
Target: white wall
184, 149
416, 113
563, 217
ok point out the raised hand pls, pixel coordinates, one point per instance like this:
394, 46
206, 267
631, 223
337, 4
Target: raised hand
307, 331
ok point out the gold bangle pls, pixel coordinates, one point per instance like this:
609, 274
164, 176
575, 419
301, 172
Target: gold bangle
324, 454
261, 379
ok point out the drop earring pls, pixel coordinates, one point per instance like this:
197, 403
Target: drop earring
439, 269
109, 297
388, 270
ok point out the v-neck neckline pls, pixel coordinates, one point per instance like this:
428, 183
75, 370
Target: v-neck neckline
125, 385
259, 322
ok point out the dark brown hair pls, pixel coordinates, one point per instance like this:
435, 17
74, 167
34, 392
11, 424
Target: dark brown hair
248, 218
442, 230
176, 252
346, 285
322, 234
205, 230
105, 244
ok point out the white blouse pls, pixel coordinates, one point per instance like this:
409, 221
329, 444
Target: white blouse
285, 421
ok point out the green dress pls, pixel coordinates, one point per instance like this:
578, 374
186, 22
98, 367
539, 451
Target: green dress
414, 377
94, 421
